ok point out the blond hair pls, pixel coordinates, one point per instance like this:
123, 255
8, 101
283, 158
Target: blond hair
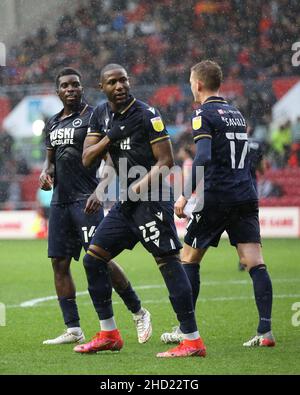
210, 73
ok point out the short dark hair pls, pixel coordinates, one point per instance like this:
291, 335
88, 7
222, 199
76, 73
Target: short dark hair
210, 73
109, 67
66, 71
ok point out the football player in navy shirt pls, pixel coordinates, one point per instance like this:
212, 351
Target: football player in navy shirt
135, 136
230, 198
75, 210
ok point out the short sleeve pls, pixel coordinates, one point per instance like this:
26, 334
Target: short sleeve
200, 126
154, 125
95, 127
46, 133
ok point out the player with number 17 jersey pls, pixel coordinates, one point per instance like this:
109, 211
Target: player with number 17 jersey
230, 198
227, 176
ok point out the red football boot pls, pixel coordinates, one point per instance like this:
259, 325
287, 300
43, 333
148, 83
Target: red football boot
103, 341
187, 348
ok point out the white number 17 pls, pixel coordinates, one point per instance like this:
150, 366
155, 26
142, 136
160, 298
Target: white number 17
238, 136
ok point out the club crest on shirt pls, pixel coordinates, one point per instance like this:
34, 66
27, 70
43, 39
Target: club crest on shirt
157, 124
197, 122
77, 122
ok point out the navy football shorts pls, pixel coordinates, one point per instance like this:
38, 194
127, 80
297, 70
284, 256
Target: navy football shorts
151, 223
70, 229
240, 222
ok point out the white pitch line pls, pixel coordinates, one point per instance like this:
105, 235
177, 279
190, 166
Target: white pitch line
166, 300
34, 302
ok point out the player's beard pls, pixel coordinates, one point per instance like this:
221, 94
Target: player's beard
74, 103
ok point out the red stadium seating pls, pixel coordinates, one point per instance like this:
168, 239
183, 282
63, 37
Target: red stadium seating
29, 185
288, 180
5, 108
163, 94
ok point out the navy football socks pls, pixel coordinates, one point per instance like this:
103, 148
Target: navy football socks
193, 273
70, 312
180, 294
130, 299
263, 296
99, 285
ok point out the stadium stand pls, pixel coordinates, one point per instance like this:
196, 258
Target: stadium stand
288, 180
163, 38
158, 42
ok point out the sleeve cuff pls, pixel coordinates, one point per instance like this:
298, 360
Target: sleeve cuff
159, 139
202, 136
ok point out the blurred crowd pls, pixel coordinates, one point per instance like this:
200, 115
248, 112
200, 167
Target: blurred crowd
12, 168
159, 40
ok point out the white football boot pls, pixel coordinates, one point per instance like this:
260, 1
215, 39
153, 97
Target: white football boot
70, 335
261, 340
176, 336
143, 325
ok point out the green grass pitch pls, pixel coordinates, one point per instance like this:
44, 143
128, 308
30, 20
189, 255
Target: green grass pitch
226, 315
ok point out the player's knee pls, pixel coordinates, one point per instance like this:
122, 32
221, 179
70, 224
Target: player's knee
91, 260
61, 266
250, 255
251, 261
250, 264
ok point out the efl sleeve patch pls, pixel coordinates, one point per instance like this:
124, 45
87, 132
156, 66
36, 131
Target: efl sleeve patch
201, 127
197, 122
157, 124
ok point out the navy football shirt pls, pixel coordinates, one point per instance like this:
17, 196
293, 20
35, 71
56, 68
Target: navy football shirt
227, 178
72, 181
145, 127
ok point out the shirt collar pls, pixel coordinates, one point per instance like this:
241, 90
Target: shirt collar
215, 99
129, 102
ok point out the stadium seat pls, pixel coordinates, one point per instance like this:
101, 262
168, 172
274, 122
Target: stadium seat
288, 180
